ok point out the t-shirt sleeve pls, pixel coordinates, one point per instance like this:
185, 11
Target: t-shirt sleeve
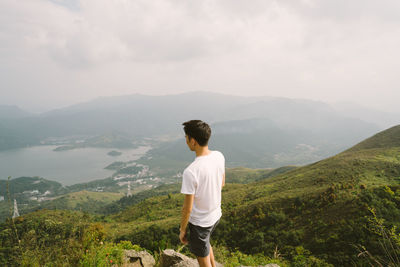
189, 183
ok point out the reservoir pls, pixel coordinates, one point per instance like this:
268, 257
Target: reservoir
67, 167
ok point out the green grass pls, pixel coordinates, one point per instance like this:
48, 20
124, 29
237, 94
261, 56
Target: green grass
89, 201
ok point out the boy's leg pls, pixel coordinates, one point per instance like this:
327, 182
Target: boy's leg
212, 257
204, 261
212, 260
207, 261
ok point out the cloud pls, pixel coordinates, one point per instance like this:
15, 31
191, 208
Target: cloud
69, 51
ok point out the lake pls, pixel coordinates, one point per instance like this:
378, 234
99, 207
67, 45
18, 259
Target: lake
67, 167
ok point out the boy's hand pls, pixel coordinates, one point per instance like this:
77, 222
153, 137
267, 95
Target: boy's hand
182, 237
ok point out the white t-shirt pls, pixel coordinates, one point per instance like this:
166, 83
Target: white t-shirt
203, 179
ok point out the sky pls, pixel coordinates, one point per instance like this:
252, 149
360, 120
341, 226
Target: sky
60, 52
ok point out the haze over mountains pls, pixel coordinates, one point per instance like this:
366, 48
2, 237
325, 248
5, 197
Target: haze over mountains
263, 131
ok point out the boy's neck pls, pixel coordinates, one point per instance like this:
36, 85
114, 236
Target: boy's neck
202, 151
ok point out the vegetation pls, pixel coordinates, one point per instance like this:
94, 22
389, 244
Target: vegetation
245, 175
92, 202
323, 207
341, 211
114, 153
21, 184
58, 238
129, 170
107, 184
116, 165
127, 201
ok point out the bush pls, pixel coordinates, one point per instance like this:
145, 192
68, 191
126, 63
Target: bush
106, 254
236, 258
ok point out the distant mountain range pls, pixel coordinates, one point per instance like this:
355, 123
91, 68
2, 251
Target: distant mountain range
264, 142
13, 112
268, 131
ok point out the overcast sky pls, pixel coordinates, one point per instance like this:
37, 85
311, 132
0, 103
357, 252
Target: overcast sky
60, 52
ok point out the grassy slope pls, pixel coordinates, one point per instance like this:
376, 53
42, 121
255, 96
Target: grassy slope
372, 168
319, 199
83, 200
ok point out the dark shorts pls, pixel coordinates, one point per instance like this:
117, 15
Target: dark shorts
199, 239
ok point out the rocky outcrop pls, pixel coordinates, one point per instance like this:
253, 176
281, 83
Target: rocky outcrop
268, 265
168, 258
133, 258
171, 258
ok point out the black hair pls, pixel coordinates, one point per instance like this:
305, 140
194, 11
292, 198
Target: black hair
199, 130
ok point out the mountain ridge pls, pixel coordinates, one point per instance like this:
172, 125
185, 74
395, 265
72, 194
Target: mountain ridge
384, 139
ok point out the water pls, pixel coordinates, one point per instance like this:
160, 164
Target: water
67, 167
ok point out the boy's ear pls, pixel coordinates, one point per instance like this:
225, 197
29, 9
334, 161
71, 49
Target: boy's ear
193, 142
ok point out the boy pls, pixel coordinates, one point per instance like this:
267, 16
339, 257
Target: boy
202, 183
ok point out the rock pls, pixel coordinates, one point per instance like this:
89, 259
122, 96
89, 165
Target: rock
268, 265
133, 258
171, 258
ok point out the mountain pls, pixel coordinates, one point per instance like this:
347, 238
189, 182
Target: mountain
149, 116
158, 115
263, 142
380, 118
14, 132
256, 132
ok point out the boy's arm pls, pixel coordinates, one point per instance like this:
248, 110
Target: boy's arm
186, 209
223, 180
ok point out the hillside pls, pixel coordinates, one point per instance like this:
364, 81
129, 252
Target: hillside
320, 210
86, 201
92, 202
27, 184
322, 206
34, 193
